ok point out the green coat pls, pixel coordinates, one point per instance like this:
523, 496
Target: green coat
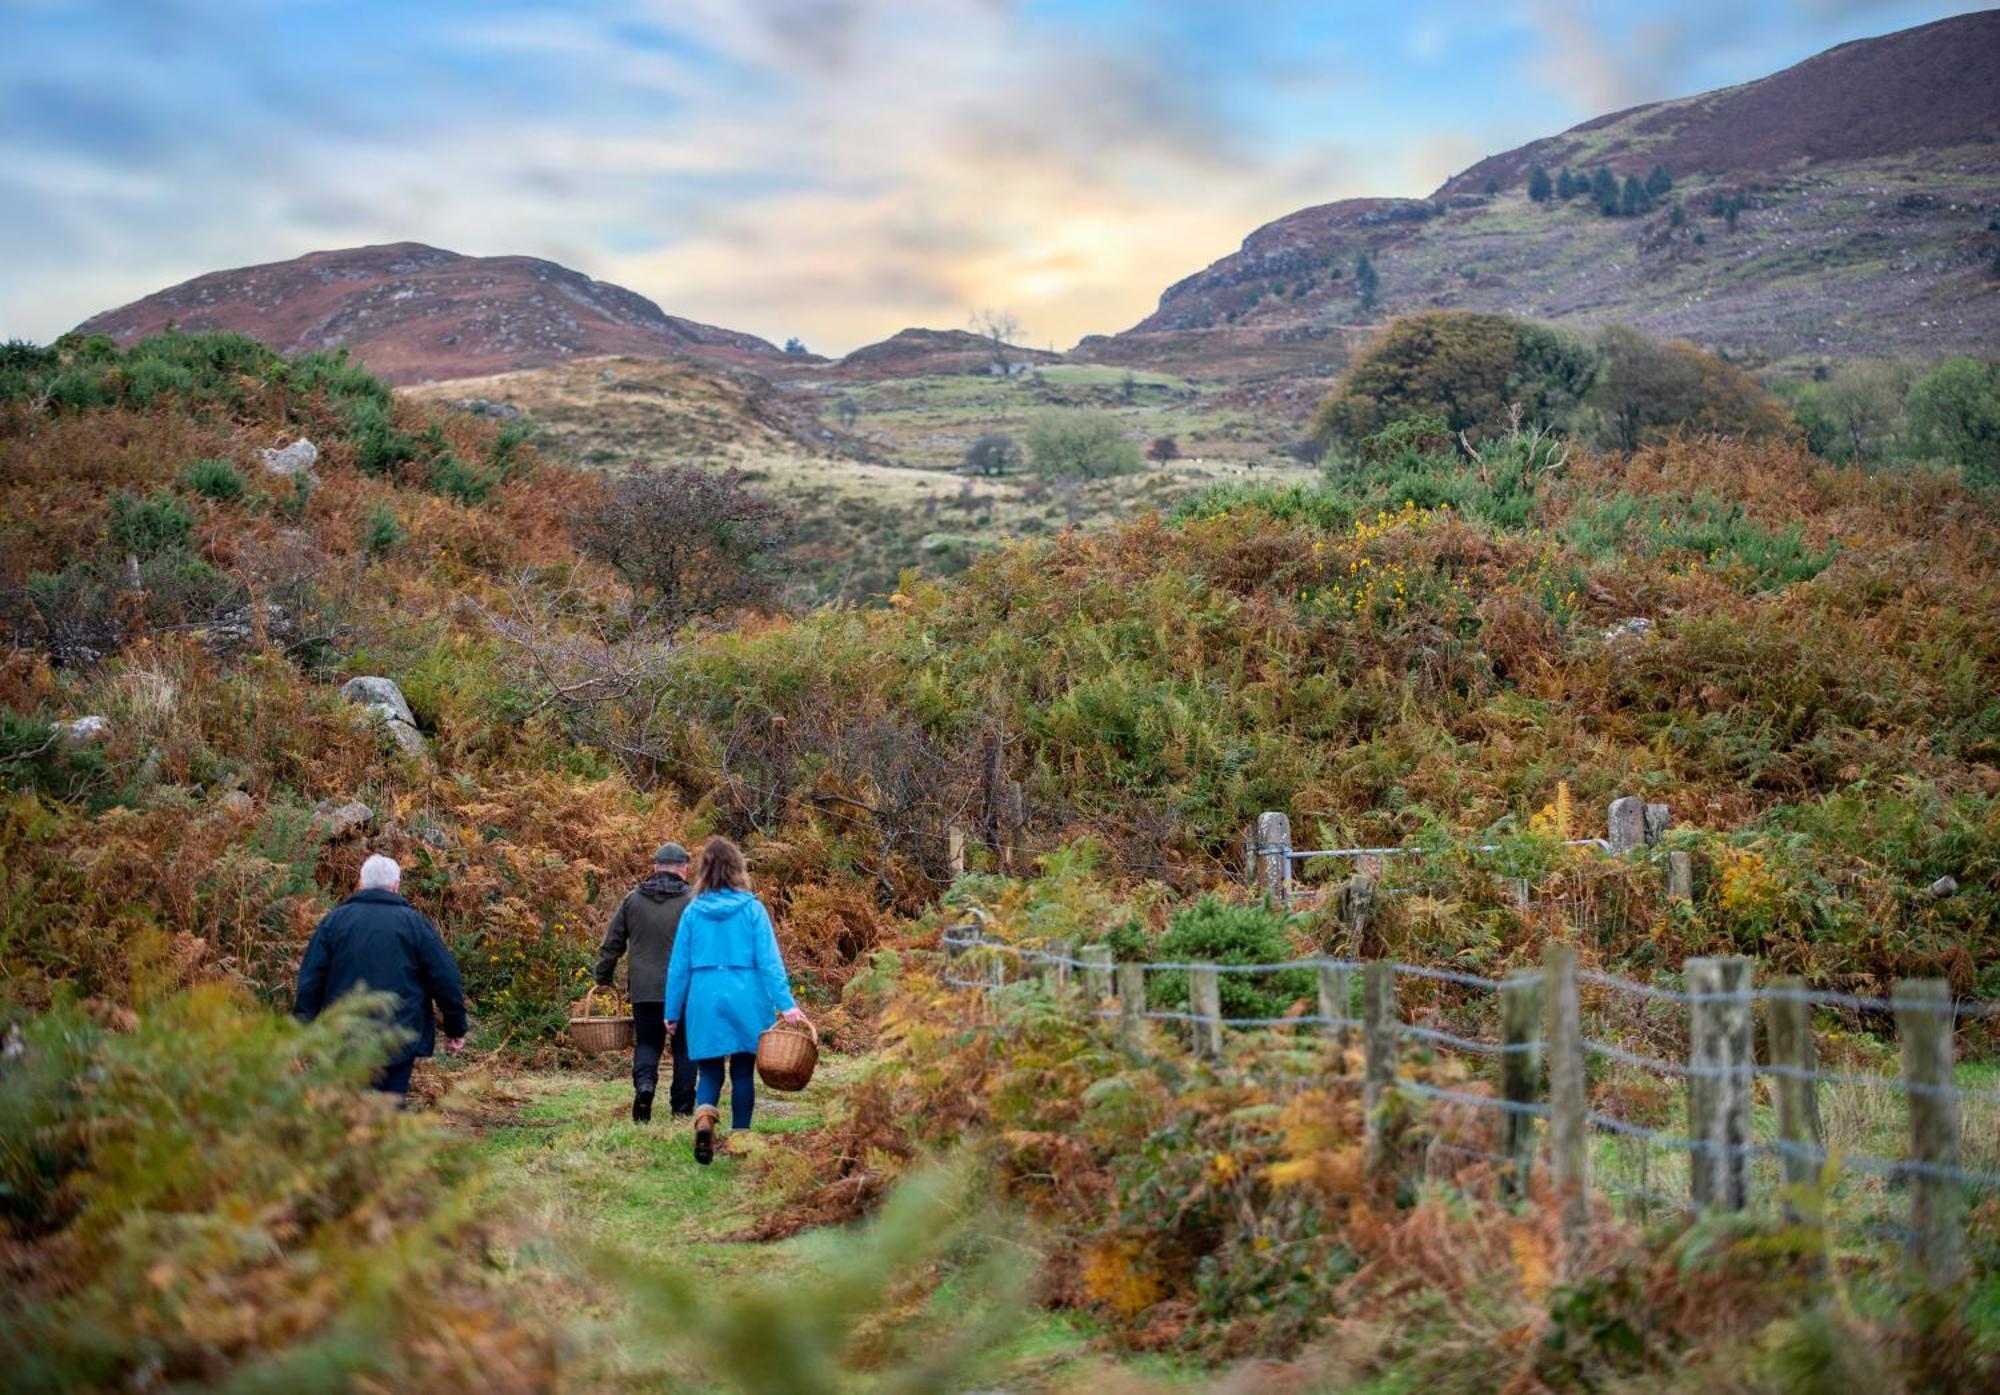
644, 925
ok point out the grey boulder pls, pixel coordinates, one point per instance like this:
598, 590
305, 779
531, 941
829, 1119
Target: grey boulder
382, 697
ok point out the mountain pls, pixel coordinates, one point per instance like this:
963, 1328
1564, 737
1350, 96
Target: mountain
414, 313
913, 352
1865, 184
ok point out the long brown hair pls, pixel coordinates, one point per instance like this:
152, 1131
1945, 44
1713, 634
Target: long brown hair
721, 866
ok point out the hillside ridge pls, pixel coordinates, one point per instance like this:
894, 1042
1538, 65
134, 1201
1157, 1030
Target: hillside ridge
1869, 174
413, 312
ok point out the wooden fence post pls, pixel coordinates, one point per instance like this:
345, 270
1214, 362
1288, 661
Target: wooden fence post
1569, 1103
954, 851
1205, 1002
1336, 1001
1131, 1003
1718, 1087
1520, 1071
1937, 1203
1626, 824
1064, 951
1518, 890
1378, 1016
1274, 856
1096, 972
1790, 1029
1680, 875
1356, 908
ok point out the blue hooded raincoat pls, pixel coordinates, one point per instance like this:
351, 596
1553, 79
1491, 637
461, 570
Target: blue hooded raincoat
726, 980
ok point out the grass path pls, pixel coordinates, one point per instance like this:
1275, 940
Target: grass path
575, 1192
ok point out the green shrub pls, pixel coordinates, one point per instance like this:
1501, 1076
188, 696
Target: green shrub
1214, 931
1955, 417
1081, 445
212, 1194
75, 389
1718, 531
1423, 434
379, 448
382, 532
455, 480
214, 479
330, 371
150, 525
146, 380
1463, 368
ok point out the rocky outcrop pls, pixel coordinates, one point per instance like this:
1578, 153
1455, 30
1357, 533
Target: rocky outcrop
296, 459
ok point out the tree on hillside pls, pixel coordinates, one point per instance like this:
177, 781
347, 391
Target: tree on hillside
848, 410
1604, 190
1081, 445
697, 542
1492, 185
1732, 210
1646, 389
1565, 184
1955, 416
795, 345
1465, 368
1659, 183
1538, 185
1633, 199
999, 328
994, 453
1163, 449
1366, 282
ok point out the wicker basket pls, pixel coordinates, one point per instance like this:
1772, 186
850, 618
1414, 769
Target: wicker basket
786, 1055
589, 1032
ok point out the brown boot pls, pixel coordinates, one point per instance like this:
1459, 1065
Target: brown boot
704, 1134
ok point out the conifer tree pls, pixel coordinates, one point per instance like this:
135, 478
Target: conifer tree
1365, 281
1538, 184
1659, 182
1633, 201
1565, 184
1604, 188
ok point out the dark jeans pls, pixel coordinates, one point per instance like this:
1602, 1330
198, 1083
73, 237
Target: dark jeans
649, 1043
395, 1080
742, 1085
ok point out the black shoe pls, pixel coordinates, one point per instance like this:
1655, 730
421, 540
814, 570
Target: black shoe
642, 1107
704, 1136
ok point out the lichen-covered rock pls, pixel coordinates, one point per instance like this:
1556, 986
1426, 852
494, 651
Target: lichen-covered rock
238, 804
379, 693
382, 697
296, 459
340, 820
84, 731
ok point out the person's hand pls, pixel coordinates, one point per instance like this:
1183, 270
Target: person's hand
454, 1045
670, 1028
793, 1015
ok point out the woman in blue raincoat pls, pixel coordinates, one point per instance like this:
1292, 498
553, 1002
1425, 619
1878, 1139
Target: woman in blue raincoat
725, 984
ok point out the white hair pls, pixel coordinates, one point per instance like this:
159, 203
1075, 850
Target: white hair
381, 873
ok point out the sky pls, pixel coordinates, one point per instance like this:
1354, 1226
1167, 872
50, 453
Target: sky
831, 169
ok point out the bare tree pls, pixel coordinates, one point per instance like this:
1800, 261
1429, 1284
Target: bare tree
696, 541
999, 328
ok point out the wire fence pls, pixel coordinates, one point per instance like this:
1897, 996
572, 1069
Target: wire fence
1763, 1128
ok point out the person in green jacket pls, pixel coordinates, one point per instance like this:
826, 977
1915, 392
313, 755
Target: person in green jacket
644, 925
725, 984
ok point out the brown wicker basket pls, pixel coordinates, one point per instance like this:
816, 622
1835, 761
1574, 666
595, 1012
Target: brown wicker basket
588, 1032
786, 1055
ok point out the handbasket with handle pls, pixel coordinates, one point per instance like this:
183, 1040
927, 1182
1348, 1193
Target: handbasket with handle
590, 1032
787, 1053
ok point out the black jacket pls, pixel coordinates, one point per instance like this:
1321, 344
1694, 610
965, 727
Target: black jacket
375, 939
645, 921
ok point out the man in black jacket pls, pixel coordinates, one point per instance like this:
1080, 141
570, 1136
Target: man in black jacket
645, 921
377, 941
